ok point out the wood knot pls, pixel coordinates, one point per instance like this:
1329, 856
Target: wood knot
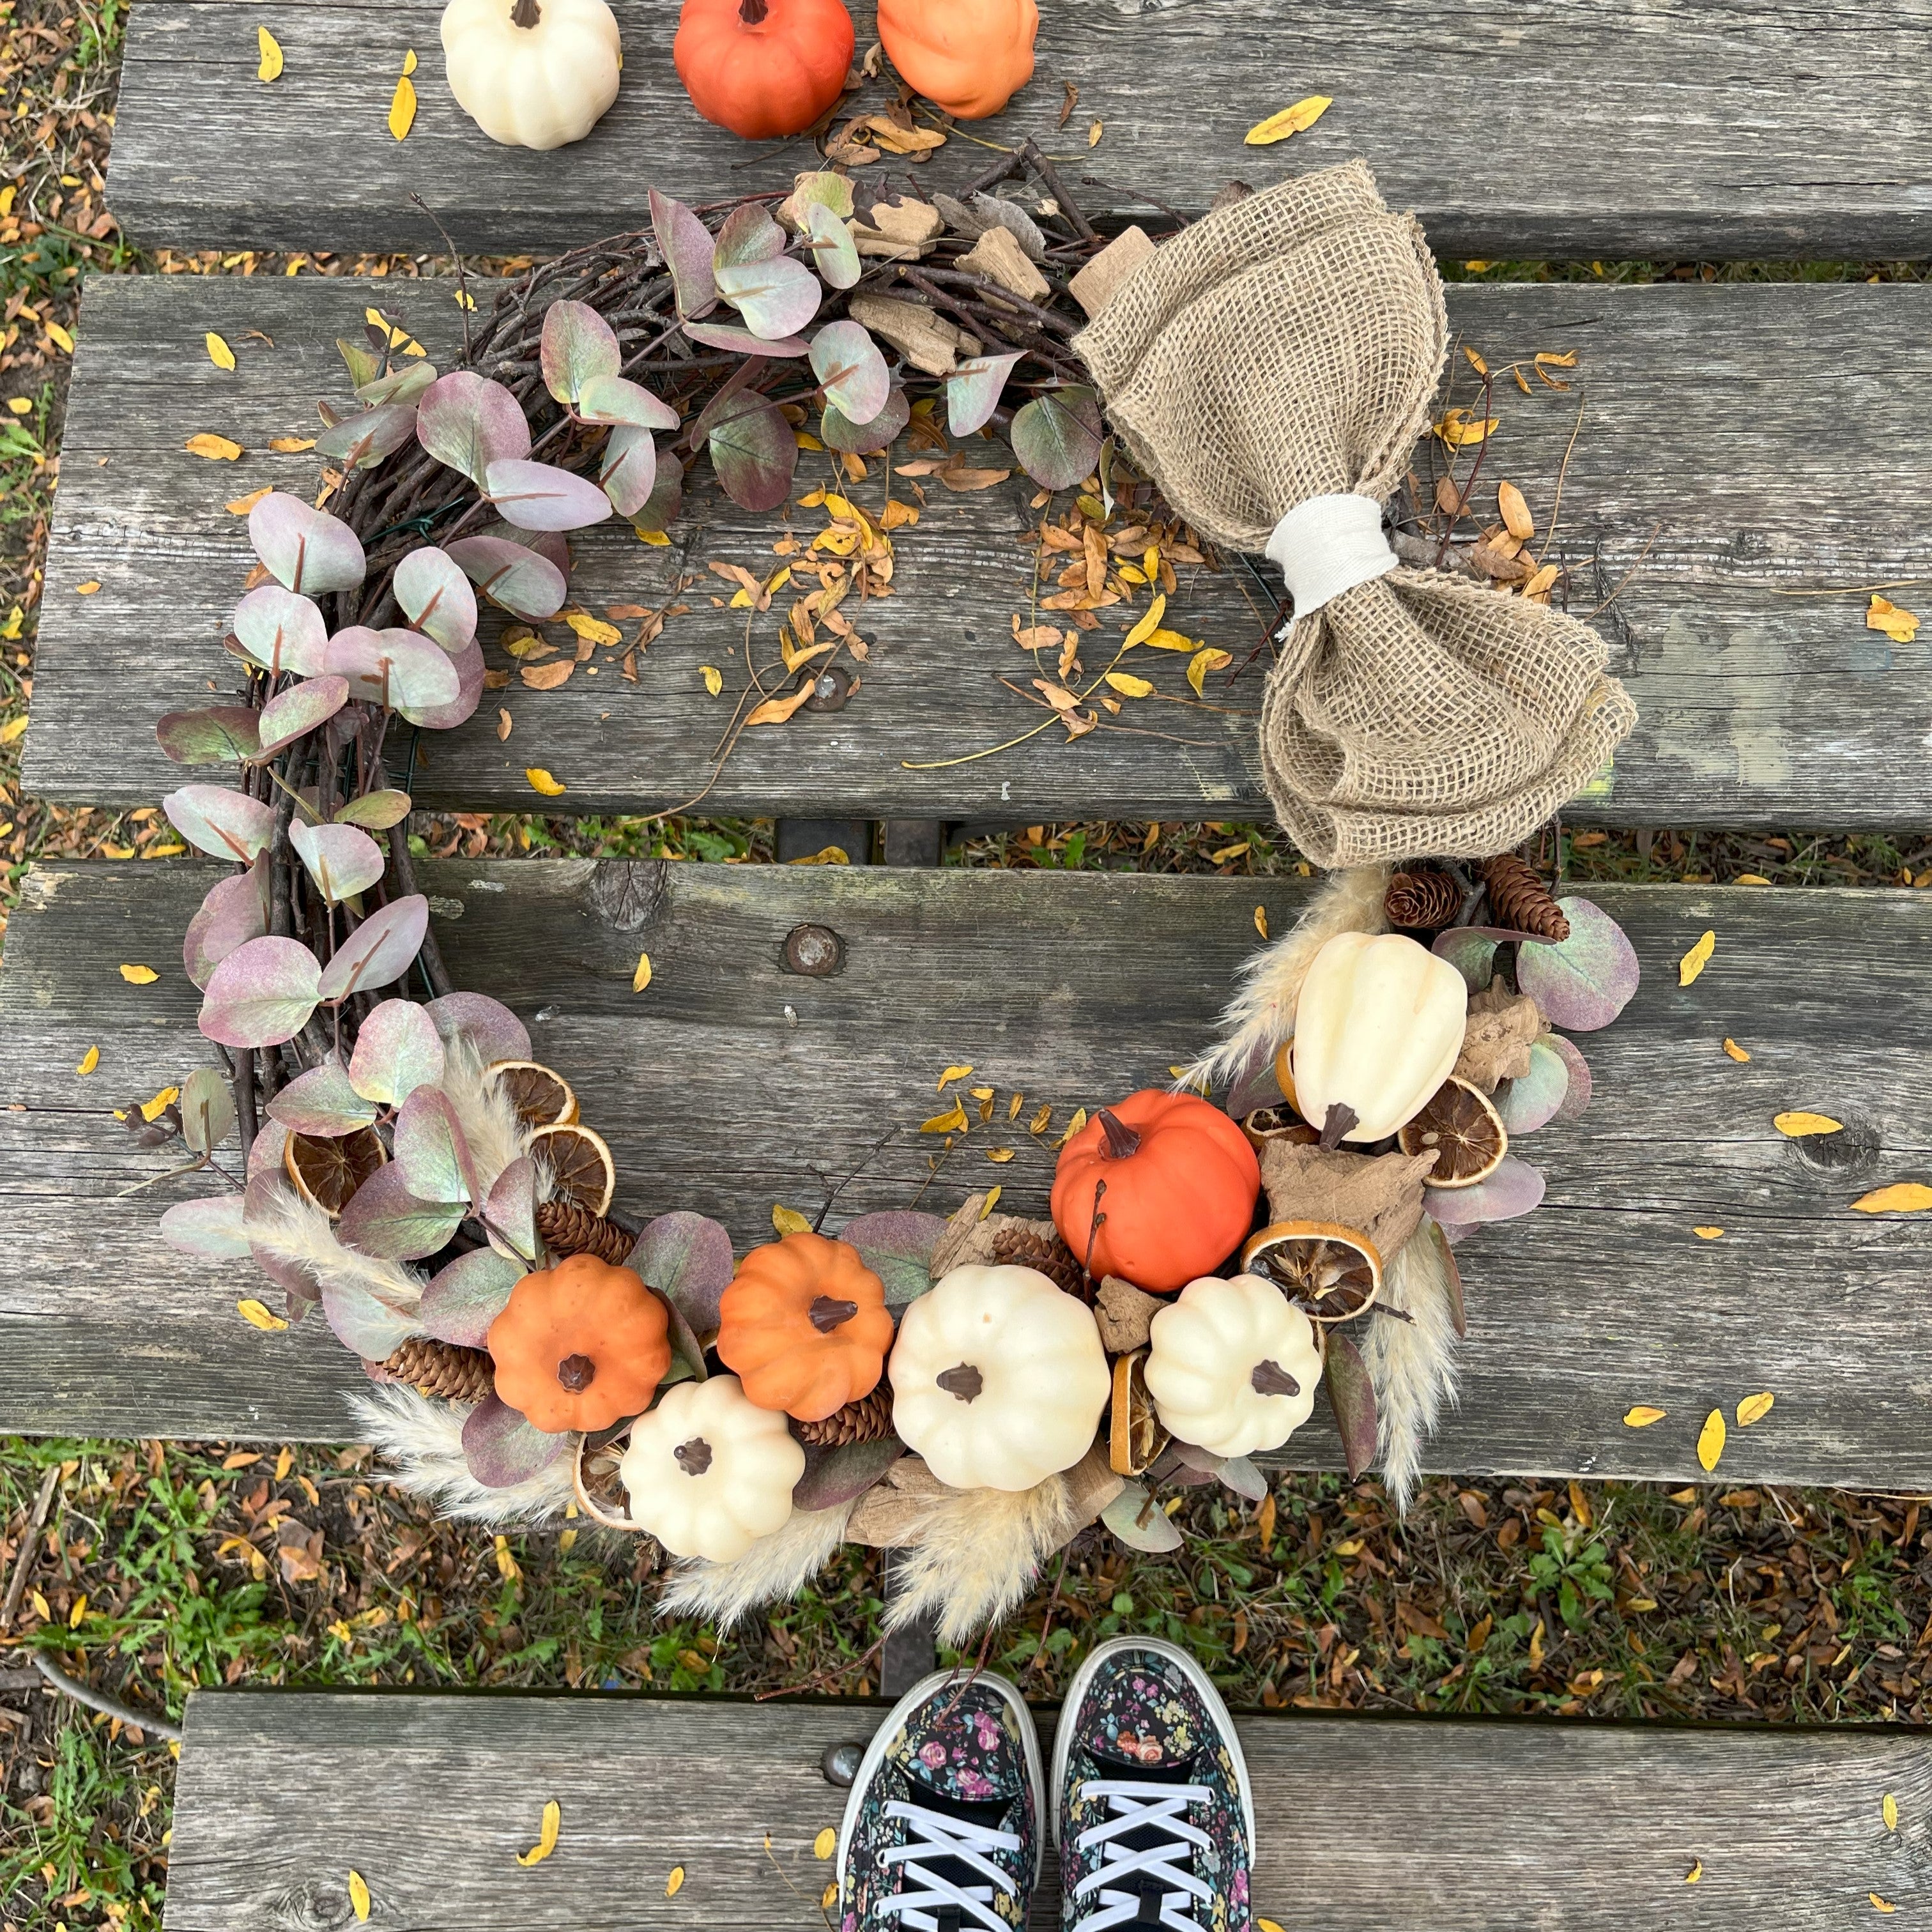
627, 894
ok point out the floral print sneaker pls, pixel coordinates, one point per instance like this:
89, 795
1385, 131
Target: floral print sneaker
1154, 1819
942, 1827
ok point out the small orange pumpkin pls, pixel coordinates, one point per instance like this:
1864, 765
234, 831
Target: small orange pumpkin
580, 1345
763, 68
970, 57
805, 1326
1181, 1184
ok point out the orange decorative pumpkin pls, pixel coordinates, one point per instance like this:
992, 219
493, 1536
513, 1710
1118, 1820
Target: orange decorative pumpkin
970, 57
763, 68
805, 1326
1163, 1186
580, 1345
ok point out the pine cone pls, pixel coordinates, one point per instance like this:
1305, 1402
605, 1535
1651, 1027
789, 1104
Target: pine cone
868, 1419
571, 1230
1020, 1247
443, 1369
1519, 899
1422, 901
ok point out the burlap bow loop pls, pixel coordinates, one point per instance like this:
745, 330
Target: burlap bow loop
1271, 367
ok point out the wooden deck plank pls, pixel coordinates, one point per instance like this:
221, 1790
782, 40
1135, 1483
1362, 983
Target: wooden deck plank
1710, 471
1527, 127
1475, 1824
732, 1084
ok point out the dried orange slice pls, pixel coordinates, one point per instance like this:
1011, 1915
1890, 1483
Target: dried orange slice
326, 1173
541, 1098
580, 1163
1329, 1272
1464, 1129
1134, 1436
1277, 1123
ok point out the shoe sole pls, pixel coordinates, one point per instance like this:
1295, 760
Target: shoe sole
1204, 1687
881, 1738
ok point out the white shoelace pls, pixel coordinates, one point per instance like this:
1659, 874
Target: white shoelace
1137, 1805
923, 1894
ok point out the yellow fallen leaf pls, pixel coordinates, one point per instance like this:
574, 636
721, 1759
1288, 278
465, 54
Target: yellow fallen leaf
1902, 1197
216, 449
1073, 1126
59, 337
139, 976
1295, 120
951, 1074
1798, 1124
641, 978
1266, 1925
1202, 662
1094, 132
152, 1109
240, 506
12, 728
1755, 1408
1708, 1234
826, 855
674, 1881
830, 1897
253, 1313
1900, 626
594, 629
291, 445
999, 1154
1711, 1439
403, 108
659, 537
358, 1886
1129, 686
88, 589
1458, 429
1736, 1052
992, 1202
89, 1061
1149, 623
1694, 962
1888, 1811
790, 1221
219, 352
954, 1122
825, 1843
714, 678
409, 61
1696, 1872
542, 781
1880, 1904
1750, 879
1642, 1416
546, 1843
271, 69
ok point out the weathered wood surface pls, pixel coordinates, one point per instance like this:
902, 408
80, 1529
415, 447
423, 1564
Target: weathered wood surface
1759, 440
733, 1084
1684, 127
1465, 1825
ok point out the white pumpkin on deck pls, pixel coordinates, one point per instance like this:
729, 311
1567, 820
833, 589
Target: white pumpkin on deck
532, 73
998, 1379
1378, 1026
708, 1472
1232, 1365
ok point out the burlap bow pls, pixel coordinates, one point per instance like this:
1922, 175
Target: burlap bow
1288, 348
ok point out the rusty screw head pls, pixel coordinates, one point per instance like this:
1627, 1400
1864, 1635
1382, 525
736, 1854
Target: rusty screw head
814, 950
829, 689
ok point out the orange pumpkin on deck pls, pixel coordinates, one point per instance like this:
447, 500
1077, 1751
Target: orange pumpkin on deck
1180, 1183
580, 1345
763, 68
805, 1326
970, 57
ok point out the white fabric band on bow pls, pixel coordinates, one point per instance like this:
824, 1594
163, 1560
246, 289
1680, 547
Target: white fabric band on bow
1329, 544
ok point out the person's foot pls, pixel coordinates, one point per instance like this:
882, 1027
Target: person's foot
942, 1827
1153, 1818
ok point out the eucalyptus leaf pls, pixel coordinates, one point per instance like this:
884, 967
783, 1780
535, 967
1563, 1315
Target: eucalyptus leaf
578, 346
364, 365
379, 951
666, 500
1351, 1396
321, 1103
431, 1149
1585, 981
224, 734
610, 399
470, 670
754, 453
468, 422
207, 1110
834, 253
897, 1245
1452, 1275
842, 1474
687, 1352
293, 713
493, 1031
281, 631
629, 473
776, 297
436, 596
1057, 436
363, 441
1238, 1474
1140, 1523
525, 584
973, 390
836, 432
1535, 1098
1471, 953
376, 810
502, 1449
210, 1229
404, 384
460, 1302
742, 342
396, 669
852, 373
224, 823
687, 1259
384, 1220
1577, 1097
398, 1049
342, 861
235, 911
541, 496
688, 251
509, 1211
262, 994
748, 234
364, 1325
303, 548
1514, 1189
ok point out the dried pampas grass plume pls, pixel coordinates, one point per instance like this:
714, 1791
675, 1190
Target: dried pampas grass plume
1261, 1015
1411, 1363
774, 1568
282, 1224
421, 1438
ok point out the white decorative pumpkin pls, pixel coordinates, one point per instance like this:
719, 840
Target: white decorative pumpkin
998, 1379
1233, 1365
532, 73
708, 1472
1378, 1026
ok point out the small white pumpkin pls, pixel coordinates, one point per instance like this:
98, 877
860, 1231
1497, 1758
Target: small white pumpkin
1233, 1365
998, 1379
1378, 1025
708, 1472
532, 73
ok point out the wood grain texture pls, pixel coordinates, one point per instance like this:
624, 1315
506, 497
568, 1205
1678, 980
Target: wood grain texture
1470, 1825
1738, 443
732, 1084
1682, 128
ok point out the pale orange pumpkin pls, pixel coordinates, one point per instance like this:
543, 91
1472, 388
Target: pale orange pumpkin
970, 57
805, 1326
580, 1345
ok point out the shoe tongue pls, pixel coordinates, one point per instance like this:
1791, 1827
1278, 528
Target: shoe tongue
965, 1757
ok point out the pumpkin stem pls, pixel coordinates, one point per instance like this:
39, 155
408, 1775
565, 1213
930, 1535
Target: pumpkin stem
1122, 1141
576, 1372
965, 1382
1341, 1117
1271, 1378
752, 12
693, 1457
526, 13
827, 1313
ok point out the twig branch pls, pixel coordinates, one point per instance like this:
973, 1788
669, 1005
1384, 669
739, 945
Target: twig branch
99, 1700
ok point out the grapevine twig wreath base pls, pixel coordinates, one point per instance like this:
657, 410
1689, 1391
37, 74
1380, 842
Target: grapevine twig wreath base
972, 1390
